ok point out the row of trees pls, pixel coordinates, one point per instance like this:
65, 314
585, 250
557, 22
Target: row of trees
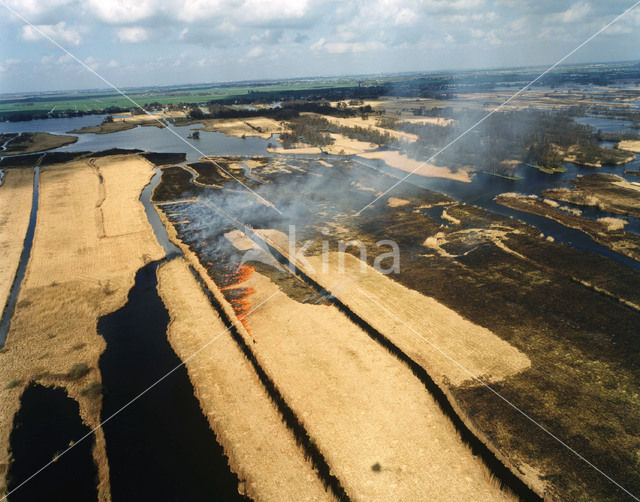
286, 111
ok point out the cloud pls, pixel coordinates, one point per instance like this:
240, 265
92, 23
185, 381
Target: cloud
269, 37
41, 11
618, 29
59, 32
346, 47
577, 12
92, 63
626, 26
55, 60
132, 35
7, 64
405, 17
255, 52
221, 35
198, 10
238, 39
122, 11
257, 13
452, 5
281, 11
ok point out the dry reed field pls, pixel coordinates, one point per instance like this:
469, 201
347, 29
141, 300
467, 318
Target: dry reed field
91, 237
15, 207
261, 451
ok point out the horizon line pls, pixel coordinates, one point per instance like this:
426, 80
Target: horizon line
317, 77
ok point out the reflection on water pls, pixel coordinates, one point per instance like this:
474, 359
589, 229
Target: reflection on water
149, 138
155, 139
56, 126
170, 249
606, 125
162, 140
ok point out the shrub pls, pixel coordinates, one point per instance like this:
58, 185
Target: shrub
93, 390
14, 383
78, 371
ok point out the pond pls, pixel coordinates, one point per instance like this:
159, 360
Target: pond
47, 423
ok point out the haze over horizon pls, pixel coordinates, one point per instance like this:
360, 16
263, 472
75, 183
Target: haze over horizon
173, 43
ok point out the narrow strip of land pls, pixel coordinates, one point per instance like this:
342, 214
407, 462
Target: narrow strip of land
381, 432
15, 207
378, 427
261, 451
79, 271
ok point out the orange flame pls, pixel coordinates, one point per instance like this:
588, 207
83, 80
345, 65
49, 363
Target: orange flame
239, 296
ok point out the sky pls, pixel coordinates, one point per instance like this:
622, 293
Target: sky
166, 42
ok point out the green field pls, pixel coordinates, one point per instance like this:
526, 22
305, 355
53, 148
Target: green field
99, 100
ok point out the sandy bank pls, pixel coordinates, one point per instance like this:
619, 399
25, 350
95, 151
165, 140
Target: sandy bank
371, 124
261, 451
90, 239
395, 202
261, 127
15, 207
629, 145
404, 163
343, 145
297, 149
607, 192
439, 121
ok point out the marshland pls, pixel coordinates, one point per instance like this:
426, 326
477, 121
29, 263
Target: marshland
242, 300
